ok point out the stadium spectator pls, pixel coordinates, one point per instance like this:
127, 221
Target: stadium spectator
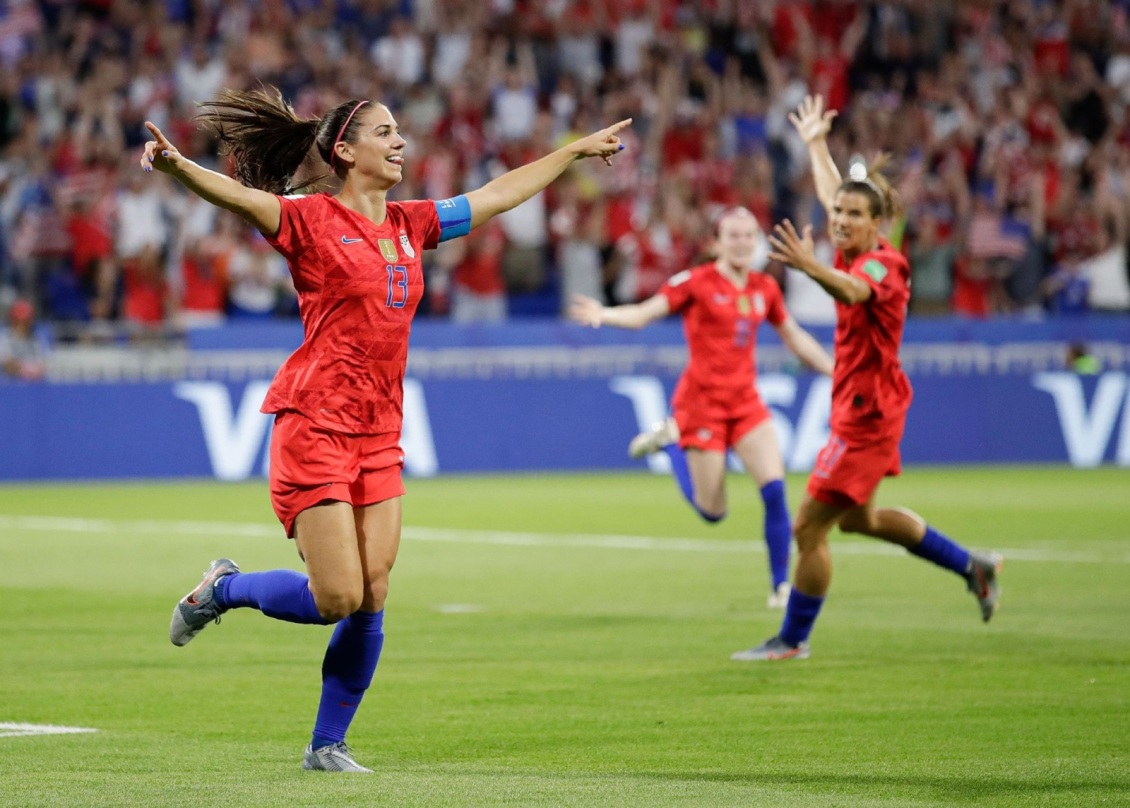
716, 406
870, 396
476, 287
23, 350
989, 95
335, 470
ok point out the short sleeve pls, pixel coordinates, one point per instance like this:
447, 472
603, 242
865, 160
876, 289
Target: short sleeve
423, 222
678, 290
775, 311
294, 235
883, 271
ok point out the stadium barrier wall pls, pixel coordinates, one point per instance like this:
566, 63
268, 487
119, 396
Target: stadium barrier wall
213, 428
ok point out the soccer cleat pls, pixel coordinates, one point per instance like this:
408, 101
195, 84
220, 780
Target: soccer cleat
772, 649
983, 582
337, 757
779, 597
662, 434
198, 608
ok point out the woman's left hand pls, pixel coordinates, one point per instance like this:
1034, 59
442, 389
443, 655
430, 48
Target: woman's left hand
604, 144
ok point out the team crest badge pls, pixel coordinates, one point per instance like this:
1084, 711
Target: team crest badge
406, 245
759, 304
743, 305
388, 250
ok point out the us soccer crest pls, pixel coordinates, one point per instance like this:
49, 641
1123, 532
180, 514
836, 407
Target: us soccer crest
388, 250
406, 245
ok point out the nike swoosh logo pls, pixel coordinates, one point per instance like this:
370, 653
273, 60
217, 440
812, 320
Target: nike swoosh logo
345, 240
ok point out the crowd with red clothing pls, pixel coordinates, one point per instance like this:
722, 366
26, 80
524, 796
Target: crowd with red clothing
1006, 122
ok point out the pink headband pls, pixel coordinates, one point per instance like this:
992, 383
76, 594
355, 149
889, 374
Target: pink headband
344, 126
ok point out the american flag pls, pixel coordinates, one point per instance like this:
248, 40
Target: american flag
991, 236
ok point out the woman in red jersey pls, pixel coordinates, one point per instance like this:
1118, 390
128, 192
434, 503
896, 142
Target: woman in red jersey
870, 395
335, 463
716, 405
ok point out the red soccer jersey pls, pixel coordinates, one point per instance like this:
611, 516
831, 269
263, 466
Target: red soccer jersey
870, 393
720, 322
358, 285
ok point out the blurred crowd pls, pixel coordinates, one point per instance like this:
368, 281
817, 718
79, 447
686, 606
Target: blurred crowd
1006, 122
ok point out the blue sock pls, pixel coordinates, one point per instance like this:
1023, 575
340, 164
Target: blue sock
682, 476
347, 670
800, 614
281, 594
778, 530
943, 551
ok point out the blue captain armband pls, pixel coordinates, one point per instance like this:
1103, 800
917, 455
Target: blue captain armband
454, 217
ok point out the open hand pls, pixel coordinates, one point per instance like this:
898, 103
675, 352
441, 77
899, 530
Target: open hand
791, 248
604, 144
810, 119
159, 153
585, 311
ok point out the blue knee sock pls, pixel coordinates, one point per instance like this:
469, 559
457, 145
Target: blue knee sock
943, 551
778, 530
682, 476
800, 614
347, 670
281, 594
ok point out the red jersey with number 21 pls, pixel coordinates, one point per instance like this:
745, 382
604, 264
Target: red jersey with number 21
870, 392
720, 321
358, 285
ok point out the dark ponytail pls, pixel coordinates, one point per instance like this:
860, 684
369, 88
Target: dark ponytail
269, 141
883, 200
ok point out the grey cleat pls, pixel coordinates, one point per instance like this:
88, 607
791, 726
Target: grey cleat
198, 608
662, 434
771, 650
336, 757
983, 581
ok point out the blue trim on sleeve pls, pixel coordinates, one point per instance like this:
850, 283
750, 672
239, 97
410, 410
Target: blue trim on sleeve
454, 217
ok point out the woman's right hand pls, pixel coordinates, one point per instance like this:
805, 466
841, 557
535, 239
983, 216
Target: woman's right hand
159, 153
812, 122
585, 311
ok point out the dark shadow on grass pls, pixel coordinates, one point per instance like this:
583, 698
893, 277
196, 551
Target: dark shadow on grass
966, 787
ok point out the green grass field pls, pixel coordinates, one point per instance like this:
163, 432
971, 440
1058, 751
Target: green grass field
565, 640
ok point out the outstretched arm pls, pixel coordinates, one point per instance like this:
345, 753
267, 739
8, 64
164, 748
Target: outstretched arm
813, 124
515, 187
798, 251
260, 208
586, 311
805, 346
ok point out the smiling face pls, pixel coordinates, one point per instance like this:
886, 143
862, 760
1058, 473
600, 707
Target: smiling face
377, 152
737, 239
854, 229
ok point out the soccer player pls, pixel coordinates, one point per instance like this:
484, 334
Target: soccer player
335, 465
716, 406
870, 395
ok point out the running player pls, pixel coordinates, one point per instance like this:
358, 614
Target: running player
335, 466
716, 406
870, 395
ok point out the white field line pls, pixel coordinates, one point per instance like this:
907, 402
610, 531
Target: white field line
508, 538
21, 730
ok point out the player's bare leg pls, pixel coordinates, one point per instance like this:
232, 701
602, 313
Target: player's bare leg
708, 478
907, 529
811, 579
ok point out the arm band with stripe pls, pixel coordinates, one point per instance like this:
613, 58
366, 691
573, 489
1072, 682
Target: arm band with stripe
454, 217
